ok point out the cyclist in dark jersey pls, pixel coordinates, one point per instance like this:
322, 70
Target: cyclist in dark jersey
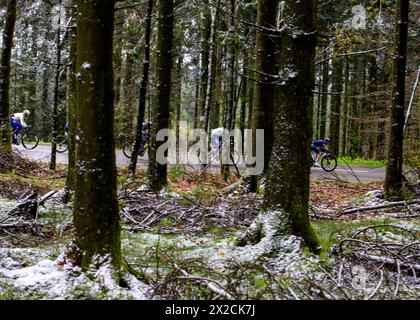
318, 146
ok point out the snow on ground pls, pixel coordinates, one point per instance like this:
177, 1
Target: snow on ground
34, 273
47, 279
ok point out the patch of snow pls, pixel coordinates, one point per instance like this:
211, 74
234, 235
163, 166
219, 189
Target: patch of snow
86, 66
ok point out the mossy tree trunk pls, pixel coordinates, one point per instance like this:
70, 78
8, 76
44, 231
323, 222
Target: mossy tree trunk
287, 188
96, 216
8, 31
394, 177
157, 171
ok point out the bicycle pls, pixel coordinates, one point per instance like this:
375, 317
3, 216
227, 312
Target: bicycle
28, 139
142, 147
328, 160
215, 157
62, 143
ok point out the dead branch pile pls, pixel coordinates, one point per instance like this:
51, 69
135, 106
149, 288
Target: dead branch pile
24, 216
13, 162
408, 209
386, 246
145, 209
377, 262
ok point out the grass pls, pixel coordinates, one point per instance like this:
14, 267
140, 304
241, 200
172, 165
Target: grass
361, 162
329, 231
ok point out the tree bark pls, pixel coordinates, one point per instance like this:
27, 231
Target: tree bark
143, 90
71, 104
335, 111
287, 188
322, 112
265, 79
230, 83
393, 177
345, 109
96, 215
373, 108
58, 67
9, 27
157, 171
211, 69
205, 57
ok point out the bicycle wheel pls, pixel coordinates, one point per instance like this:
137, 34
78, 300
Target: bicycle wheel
328, 163
29, 140
127, 150
61, 144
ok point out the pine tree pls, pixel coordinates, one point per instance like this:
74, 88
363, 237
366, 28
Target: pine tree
394, 177
96, 215
157, 171
8, 31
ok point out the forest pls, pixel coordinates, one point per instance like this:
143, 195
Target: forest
209, 150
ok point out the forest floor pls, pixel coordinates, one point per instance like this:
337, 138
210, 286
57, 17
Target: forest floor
182, 242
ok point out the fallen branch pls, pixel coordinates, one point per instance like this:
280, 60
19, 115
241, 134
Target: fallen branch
381, 206
213, 285
390, 262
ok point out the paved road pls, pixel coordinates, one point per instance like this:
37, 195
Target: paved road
42, 154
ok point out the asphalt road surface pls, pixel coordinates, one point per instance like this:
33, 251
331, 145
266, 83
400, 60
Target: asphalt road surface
354, 173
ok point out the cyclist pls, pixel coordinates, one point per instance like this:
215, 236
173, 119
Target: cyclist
17, 120
216, 136
317, 147
66, 129
145, 135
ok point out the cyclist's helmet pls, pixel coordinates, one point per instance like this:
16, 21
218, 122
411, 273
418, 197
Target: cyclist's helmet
327, 140
146, 125
26, 113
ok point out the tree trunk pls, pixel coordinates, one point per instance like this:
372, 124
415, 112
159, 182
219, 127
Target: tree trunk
178, 103
44, 107
205, 55
265, 79
393, 177
344, 113
287, 188
373, 108
71, 105
9, 27
96, 216
54, 129
211, 69
157, 171
215, 111
143, 90
322, 112
118, 52
230, 89
335, 111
